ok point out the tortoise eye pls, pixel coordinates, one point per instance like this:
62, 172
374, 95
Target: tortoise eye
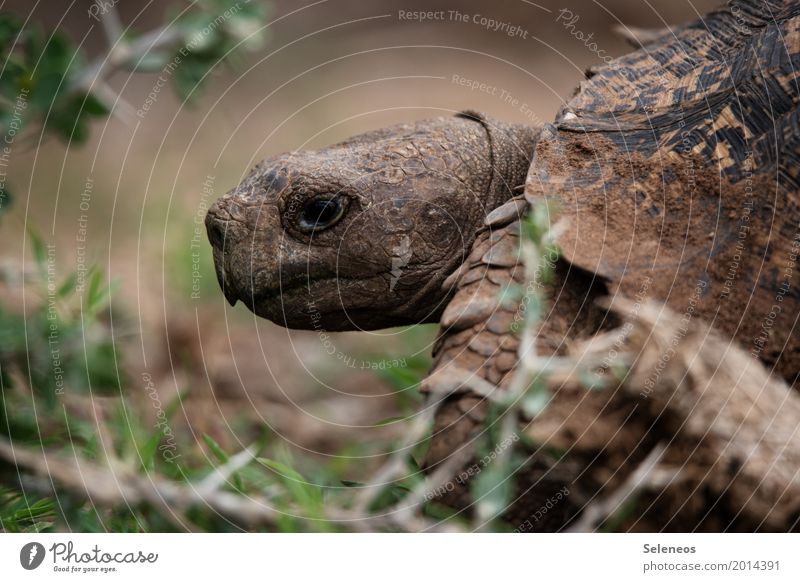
320, 213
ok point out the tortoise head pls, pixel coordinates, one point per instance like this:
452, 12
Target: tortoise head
361, 234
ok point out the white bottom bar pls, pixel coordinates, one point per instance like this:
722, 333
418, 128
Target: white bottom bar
401, 557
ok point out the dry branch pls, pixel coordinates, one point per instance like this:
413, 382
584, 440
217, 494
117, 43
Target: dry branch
741, 423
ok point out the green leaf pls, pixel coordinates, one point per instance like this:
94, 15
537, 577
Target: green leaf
39, 252
67, 128
307, 495
96, 295
102, 368
189, 74
94, 106
10, 28
216, 449
18, 514
619, 372
592, 380
70, 116
68, 286
6, 200
223, 458
538, 222
615, 521
282, 470
440, 512
511, 294
390, 420
535, 402
152, 62
492, 489
57, 56
401, 378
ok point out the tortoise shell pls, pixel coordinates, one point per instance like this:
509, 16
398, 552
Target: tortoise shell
676, 169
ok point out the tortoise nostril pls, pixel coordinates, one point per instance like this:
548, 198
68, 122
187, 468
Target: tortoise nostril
226, 223
216, 230
217, 224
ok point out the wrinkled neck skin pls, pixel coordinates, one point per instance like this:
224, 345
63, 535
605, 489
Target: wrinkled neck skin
510, 150
505, 159
362, 234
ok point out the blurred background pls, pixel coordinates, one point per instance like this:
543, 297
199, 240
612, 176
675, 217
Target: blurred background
129, 202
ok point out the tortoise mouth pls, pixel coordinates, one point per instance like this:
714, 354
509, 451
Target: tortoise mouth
254, 295
321, 304
298, 302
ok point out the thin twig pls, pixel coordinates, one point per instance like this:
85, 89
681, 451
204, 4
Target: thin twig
395, 466
110, 489
166, 36
107, 489
222, 474
112, 26
646, 477
403, 512
115, 103
530, 367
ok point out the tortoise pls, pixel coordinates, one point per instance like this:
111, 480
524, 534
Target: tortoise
675, 169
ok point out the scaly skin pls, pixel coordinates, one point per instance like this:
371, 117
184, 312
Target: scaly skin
413, 197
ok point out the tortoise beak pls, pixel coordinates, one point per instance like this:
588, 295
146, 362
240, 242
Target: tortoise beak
227, 290
217, 227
